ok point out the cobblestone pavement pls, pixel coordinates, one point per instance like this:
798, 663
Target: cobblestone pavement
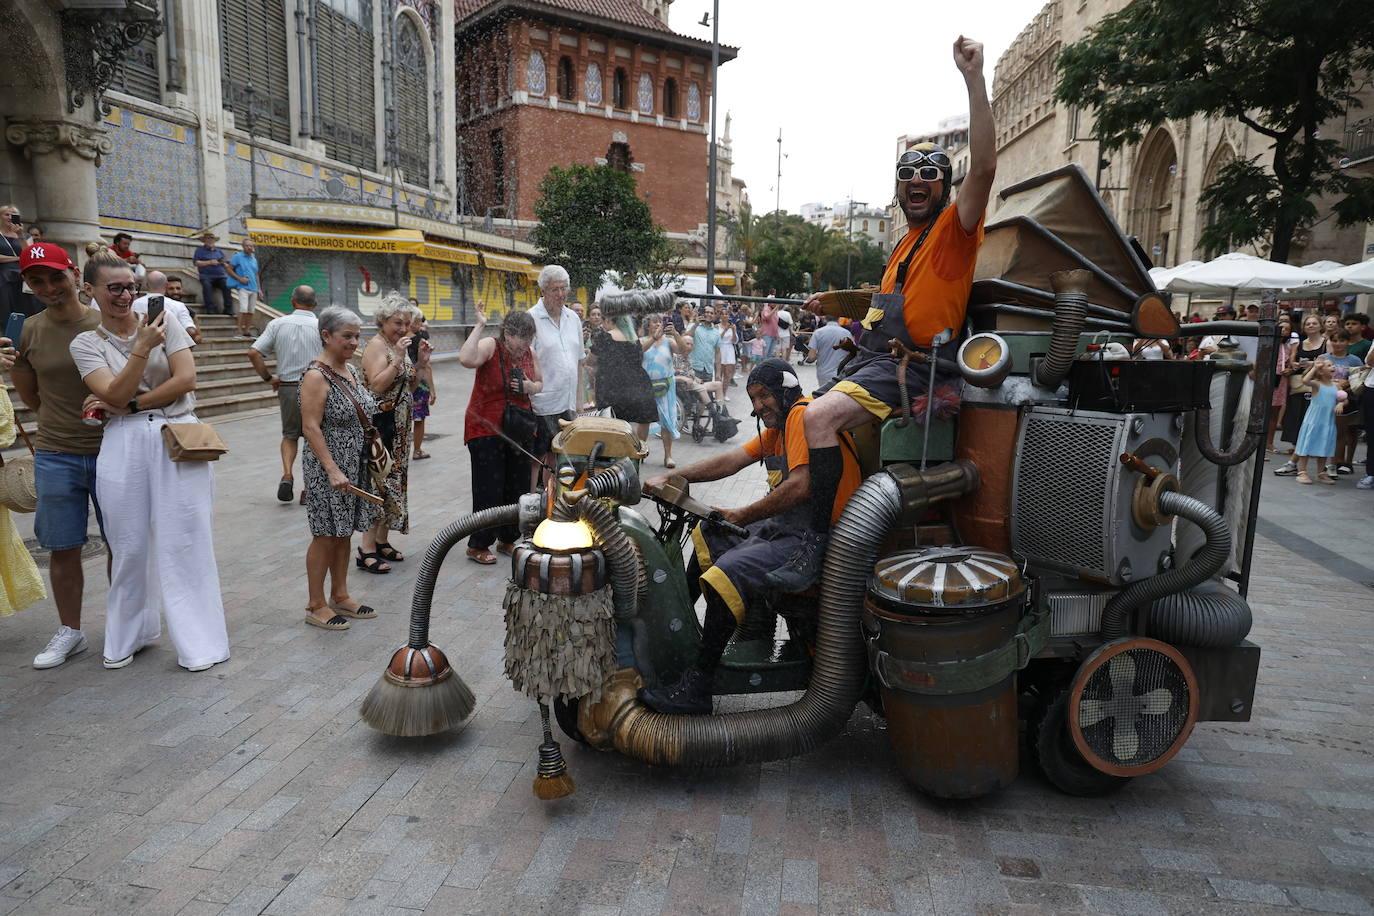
255, 788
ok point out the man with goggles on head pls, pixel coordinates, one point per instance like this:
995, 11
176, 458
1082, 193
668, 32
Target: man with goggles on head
924, 296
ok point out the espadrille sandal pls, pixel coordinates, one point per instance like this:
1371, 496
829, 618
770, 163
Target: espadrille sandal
337, 622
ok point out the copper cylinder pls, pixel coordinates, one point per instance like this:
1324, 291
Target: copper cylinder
987, 437
558, 572
942, 607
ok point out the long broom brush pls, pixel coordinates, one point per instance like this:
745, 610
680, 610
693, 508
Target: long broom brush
419, 693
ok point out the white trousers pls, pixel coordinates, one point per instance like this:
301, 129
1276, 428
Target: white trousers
159, 520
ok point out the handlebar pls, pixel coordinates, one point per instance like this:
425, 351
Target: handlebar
718, 520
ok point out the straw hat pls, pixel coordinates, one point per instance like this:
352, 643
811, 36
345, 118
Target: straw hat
18, 491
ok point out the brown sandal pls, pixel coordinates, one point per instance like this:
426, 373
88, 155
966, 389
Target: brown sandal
482, 556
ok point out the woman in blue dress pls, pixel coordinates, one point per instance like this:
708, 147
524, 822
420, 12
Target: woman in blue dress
659, 340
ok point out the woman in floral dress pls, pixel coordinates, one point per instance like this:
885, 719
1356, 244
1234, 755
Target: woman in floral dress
391, 376
332, 394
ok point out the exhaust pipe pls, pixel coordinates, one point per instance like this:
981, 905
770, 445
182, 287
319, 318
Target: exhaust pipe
840, 664
1070, 314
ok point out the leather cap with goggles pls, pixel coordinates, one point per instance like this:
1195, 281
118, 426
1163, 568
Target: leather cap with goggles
927, 165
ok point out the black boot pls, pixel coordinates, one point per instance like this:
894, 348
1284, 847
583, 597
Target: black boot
690, 696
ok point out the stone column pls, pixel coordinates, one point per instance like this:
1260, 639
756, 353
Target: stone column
64, 154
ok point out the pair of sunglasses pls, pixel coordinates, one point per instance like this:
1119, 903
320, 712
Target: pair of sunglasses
923, 172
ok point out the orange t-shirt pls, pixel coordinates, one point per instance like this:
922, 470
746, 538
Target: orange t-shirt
798, 453
937, 281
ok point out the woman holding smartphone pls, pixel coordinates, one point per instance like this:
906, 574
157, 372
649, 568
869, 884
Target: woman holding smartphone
507, 373
159, 513
12, 242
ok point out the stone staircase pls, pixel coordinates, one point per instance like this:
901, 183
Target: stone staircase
225, 381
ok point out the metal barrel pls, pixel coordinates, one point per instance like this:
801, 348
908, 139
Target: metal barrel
942, 628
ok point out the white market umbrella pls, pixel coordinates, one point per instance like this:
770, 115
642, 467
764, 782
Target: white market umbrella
1359, 277
1238, 272
1162, 275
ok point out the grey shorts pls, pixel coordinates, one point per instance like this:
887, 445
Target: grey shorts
289, 400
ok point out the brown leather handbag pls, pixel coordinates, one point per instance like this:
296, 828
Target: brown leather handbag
192, 442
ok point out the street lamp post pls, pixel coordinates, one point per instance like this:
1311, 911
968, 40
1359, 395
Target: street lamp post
711, 186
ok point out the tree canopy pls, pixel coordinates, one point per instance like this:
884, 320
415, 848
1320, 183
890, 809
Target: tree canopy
591, 220
786, 249
1283, 68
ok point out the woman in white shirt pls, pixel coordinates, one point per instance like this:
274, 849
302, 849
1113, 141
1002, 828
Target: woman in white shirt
158, 513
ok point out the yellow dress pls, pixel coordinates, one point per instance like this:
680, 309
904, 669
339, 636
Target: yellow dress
20, 584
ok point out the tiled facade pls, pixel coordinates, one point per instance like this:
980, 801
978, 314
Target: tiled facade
150, 180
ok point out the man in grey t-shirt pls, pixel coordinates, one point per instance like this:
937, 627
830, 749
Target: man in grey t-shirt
294, 340
823, 351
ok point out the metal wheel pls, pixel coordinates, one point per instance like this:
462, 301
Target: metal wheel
1052, 749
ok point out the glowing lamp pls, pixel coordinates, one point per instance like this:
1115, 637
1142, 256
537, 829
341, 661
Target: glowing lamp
561, 536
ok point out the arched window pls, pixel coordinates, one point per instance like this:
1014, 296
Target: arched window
670, 98
345, 116
252, 40
565, 78
412, 108
644, 96
536, 77
591, 84
1152, 206
1220, 158
620, 89
618, 157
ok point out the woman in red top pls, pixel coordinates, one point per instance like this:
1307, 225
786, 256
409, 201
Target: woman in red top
507, 373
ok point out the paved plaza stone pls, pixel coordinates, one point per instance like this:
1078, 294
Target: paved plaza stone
255, 788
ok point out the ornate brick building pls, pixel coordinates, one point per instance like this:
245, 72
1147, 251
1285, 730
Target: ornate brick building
562, 82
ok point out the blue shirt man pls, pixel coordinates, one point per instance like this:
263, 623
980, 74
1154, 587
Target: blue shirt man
706, 345
823, 351
210, 267
243, 280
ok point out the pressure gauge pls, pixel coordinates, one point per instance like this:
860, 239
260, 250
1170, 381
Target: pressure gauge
984, 360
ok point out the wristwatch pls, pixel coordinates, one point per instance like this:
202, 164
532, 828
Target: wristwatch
133, 405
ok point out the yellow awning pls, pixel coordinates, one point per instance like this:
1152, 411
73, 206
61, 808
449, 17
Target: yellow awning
725, 280
438, 251
335, 238
514, 265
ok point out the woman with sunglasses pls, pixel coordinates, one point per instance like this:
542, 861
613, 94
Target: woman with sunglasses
12, 241
158, 513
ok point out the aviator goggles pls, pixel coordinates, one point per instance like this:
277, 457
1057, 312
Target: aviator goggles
907, 165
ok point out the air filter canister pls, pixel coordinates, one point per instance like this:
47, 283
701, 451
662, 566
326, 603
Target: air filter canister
943, 627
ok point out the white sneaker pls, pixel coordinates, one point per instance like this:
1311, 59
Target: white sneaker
66, 643
119, 662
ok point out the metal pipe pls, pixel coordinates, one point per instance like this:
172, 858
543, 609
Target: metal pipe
1265, 369
302, 80
1260, 396
172, 41
711, 181
840, 664
434, 558
1070, 312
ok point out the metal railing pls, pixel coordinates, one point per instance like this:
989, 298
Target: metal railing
1359, 140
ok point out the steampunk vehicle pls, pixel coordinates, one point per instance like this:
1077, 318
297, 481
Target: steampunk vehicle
1062, 566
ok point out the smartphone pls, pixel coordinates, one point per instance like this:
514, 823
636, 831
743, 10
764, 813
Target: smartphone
415, 345
16, 219
154, 308
13, 327
518, 375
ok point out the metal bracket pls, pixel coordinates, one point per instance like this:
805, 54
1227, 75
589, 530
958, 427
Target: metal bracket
966, 675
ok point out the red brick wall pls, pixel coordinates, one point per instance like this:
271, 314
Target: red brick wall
674, 175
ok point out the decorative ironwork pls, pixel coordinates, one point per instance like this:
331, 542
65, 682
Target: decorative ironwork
94, 45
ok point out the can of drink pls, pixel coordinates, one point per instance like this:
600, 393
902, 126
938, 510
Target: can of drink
93, 416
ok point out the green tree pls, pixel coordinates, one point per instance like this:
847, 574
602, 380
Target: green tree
851, 263
745, 237
591, 220
1283, 68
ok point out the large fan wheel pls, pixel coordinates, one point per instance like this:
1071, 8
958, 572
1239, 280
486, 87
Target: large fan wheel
1052, 748
565, 713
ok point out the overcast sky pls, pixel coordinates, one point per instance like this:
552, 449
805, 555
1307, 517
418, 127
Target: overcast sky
843, 81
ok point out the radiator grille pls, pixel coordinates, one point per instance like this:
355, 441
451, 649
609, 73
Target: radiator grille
1061, 492
1075, 613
